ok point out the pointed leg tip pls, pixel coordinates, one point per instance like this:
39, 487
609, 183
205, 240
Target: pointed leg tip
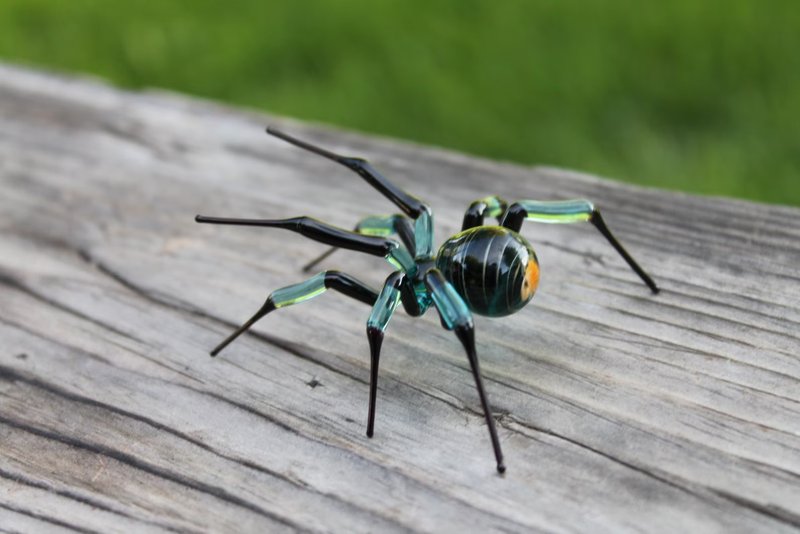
271, 130
655, 289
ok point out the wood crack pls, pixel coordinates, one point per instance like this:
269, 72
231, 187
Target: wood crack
141, 465
633, 334
43, 337
47, 519
82, 499
701, 492
755, 506
507, 420
12, 375
710, 376
684, 309
326, 444
7, 280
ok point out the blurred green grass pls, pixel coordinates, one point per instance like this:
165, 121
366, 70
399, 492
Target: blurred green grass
697, 95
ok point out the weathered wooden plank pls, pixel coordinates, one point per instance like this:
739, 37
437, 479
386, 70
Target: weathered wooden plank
617, 410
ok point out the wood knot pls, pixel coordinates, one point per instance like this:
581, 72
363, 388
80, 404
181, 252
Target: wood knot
313, 383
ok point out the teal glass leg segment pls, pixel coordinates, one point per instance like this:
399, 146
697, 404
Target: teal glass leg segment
296, 293
387, 302
293, 294
423, 235
400, 259
452, 309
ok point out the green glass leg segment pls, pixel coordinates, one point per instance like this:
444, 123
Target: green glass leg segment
379, 225
452, 309
387, 302
560, 211
382, 311
296, 293
495, 206
286, 296
570, 211
382, 225
491, 206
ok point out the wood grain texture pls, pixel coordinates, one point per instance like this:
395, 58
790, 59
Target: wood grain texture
617, 410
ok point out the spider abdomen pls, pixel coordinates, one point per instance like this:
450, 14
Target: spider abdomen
493, 268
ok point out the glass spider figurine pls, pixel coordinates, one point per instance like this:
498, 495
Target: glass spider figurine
490, 270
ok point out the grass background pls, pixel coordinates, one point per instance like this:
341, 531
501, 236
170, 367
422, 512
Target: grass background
698, 95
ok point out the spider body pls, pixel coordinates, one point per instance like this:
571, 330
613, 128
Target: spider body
486, 269
494, 269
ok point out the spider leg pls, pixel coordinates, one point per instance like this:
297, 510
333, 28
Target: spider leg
293, 294
492, 206
455, 316
408, 204
570, 211
384, 226
382, 311
331, 235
